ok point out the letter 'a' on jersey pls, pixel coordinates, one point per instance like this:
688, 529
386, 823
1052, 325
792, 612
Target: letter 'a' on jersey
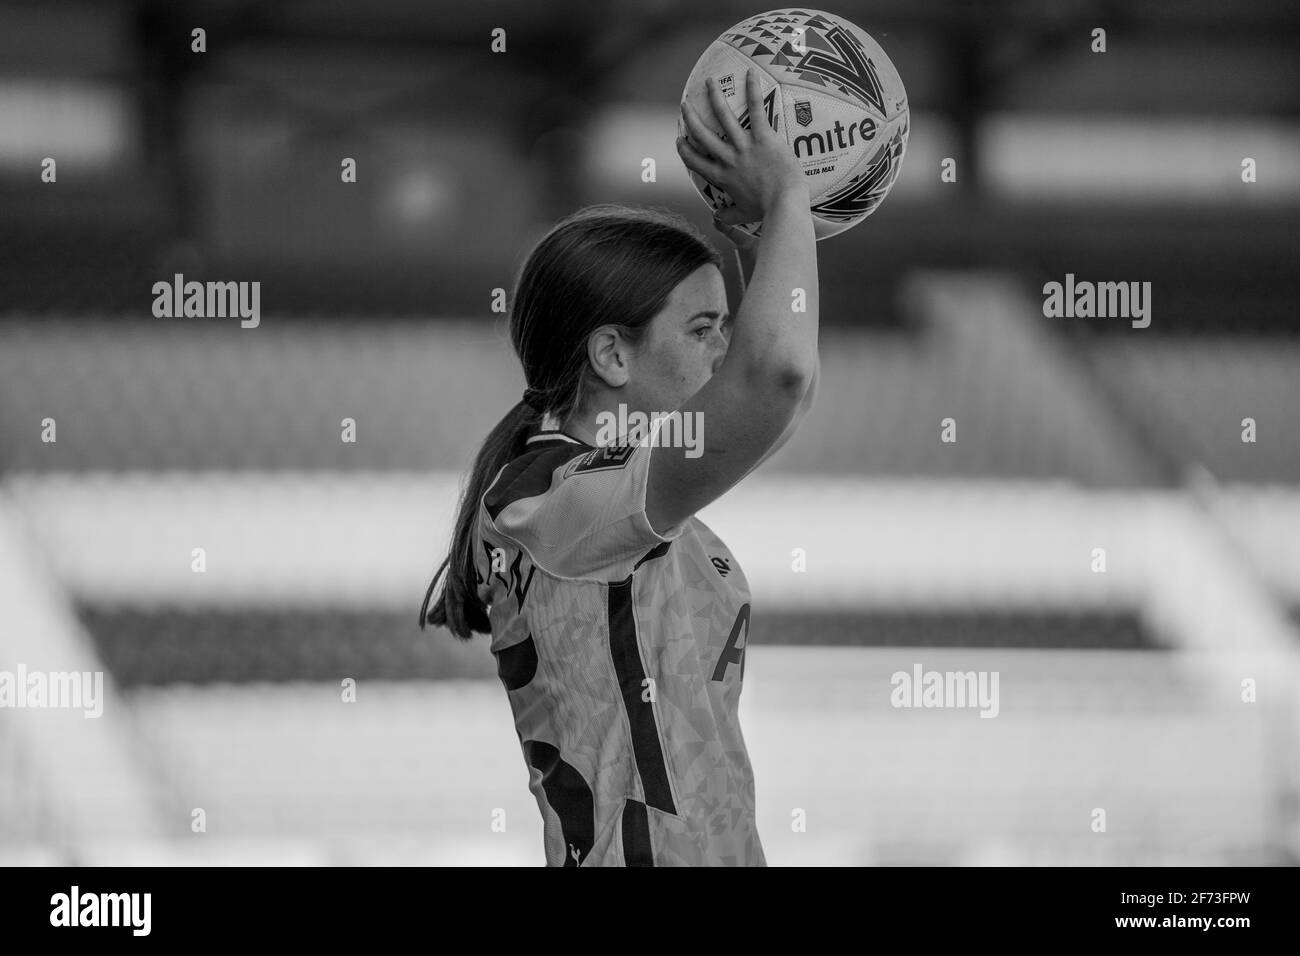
622, 652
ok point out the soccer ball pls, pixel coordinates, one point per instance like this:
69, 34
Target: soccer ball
830, 89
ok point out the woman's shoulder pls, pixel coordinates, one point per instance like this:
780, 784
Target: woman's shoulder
530, 473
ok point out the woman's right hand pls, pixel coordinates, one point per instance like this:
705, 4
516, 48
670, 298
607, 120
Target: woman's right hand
755, 166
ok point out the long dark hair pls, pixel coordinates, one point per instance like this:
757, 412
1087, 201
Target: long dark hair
603, 265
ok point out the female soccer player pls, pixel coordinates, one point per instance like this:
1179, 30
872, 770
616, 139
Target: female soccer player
618, 619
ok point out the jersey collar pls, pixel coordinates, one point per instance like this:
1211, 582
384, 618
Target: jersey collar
553, 436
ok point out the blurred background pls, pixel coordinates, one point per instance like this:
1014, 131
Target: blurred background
1120, 689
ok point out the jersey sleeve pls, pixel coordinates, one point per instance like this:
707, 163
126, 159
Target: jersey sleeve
579, 513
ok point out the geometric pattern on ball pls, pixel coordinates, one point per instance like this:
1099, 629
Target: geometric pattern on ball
832, 92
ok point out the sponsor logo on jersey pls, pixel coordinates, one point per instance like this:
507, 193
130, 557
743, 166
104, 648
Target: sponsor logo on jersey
721, 564
609, 458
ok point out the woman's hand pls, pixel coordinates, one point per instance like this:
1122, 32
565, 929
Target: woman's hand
755, 167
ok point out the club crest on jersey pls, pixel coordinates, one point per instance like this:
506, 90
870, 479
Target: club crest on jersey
602, 459
803, 112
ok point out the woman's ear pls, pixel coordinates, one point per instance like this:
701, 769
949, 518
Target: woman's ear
610, 355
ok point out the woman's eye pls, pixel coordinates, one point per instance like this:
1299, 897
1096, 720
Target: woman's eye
702, 332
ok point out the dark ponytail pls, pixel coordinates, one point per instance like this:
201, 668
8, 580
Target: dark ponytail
459, 607
603, 265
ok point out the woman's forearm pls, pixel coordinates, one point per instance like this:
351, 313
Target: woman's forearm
776, 327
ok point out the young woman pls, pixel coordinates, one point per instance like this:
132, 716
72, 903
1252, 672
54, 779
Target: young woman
618, 619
